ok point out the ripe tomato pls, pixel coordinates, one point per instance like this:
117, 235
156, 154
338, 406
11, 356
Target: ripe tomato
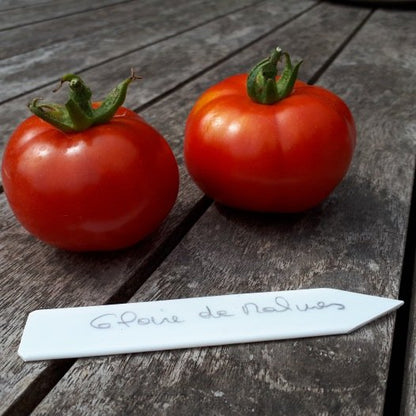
283, 156
102, 188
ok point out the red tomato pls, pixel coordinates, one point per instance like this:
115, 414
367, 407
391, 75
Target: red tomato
103, 188
283, 157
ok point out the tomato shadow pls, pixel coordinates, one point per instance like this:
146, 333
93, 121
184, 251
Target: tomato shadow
268, 219
351, 208
357, 211
137, 250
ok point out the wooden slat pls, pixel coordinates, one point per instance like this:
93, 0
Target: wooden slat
126, 22
14, 4
88, 40
354, 241
29, 12
36, 276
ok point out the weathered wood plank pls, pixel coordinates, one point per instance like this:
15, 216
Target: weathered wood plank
126, 21
14, 4
35, 12
34, 276
87, 41
354, 241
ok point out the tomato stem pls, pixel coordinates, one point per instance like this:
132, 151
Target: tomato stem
262, 85
78, 113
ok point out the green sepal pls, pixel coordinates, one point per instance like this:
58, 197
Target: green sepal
288, 78
78, 113
262, 86
113, 101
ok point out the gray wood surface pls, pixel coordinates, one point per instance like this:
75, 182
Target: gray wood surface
119, 32
350, 234
48, 278
27, 12
15, 4
95, 23
354, 241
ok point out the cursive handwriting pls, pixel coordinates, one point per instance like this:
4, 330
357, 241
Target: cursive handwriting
207, 313
282, 305
319, 305
279, 304
129, 318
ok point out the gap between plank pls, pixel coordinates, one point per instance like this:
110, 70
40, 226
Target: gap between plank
222, 60
341, 47
399, 351
63, 15
129, 52
39, 387
133, 284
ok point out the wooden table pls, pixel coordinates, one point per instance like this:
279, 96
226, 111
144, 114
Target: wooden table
362, 238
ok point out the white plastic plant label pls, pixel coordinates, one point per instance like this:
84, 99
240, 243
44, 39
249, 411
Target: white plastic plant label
196, 322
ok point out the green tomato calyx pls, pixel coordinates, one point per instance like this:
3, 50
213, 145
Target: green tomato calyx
78, 113
262, 86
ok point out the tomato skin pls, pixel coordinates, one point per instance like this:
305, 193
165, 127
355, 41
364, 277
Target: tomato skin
284, 157
104, 188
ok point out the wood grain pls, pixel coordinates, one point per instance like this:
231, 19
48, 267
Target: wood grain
36, 276
70, 27
354, 241
27, 12
15, 4
95, 37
